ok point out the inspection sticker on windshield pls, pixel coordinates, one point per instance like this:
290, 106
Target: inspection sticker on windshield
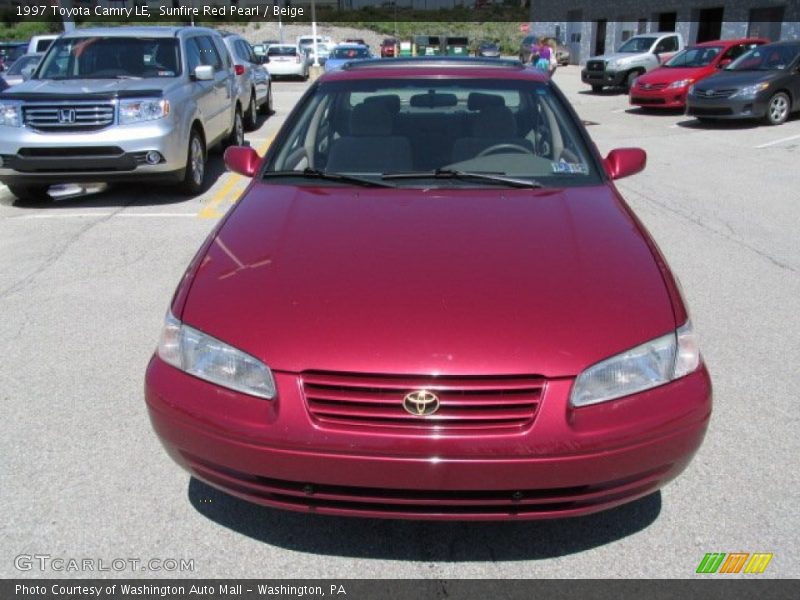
565, 167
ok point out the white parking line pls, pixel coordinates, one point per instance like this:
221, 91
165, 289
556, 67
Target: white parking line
780, 141
105, 214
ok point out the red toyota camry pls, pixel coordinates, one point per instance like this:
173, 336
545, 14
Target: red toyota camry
431, 302
667, 86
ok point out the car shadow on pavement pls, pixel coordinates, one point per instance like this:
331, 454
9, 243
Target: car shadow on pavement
655, 112
90, 195
692, 123
606, 91
422, 540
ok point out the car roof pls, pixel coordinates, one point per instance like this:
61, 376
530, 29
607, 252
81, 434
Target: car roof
728, 42
485, 68
159, 31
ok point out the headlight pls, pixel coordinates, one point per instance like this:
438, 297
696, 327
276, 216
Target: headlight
613, 64
647, 366
142, 109
10, 113
750, 90
203, 356
680, 84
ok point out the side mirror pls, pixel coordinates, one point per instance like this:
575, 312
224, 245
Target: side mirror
204, 73
242, 160
623, 162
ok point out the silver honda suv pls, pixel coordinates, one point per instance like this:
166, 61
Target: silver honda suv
120, 104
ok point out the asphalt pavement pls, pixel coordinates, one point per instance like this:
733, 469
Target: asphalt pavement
84, 284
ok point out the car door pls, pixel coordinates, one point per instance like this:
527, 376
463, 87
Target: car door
667, 48
220, 114
794, 83
203, 92
257, 73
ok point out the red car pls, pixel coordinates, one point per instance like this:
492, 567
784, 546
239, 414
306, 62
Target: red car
667, 86
431, 302
388, 47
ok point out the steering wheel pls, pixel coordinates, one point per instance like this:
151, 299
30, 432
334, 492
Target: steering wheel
498, 148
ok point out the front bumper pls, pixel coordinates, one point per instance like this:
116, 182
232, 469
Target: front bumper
665, 98
604, 78
115, 153
567, 463
727, 108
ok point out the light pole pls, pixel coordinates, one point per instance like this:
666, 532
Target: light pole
314, 30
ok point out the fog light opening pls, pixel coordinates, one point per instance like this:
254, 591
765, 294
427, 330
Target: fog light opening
153, 157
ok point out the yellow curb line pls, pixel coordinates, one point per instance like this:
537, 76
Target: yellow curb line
210, 210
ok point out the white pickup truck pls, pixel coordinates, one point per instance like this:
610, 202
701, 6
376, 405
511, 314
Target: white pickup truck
639, 54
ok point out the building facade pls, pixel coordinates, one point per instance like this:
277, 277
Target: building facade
592, 27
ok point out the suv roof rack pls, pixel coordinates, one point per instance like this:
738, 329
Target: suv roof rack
434, 61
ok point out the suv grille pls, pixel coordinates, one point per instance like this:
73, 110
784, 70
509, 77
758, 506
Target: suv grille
465, 403
68, 117
595, 65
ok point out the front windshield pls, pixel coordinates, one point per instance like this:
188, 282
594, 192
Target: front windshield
377, 129
111, 58
695, 57
350, 53
637, 44
20, 64
765, 58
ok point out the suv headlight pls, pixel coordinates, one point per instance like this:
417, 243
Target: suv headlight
750, 91
208, 358
680, 84
11, 113
654, 363
142, 109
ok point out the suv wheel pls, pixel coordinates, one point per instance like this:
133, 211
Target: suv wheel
195, 174
266, 108
31, 193
629, 80
251, 116
236, 137
778, 109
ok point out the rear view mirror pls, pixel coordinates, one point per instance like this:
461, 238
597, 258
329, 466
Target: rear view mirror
204, 73
27, 72
623, 162
242, 160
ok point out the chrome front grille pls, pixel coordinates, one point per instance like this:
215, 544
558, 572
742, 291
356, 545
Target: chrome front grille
491, 404
73, 116
713, 93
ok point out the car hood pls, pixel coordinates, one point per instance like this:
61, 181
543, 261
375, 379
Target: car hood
670, 74
735, 79
99, 87
617, 56
406, 281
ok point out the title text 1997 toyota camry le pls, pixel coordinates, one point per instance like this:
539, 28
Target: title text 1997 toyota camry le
436, 305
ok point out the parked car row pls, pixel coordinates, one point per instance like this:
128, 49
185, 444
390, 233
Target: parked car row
129, 104
748, 78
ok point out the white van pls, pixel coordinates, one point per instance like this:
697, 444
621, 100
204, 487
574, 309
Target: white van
40, 43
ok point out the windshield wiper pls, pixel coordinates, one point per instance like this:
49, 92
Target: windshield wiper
309, 173
455, 174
